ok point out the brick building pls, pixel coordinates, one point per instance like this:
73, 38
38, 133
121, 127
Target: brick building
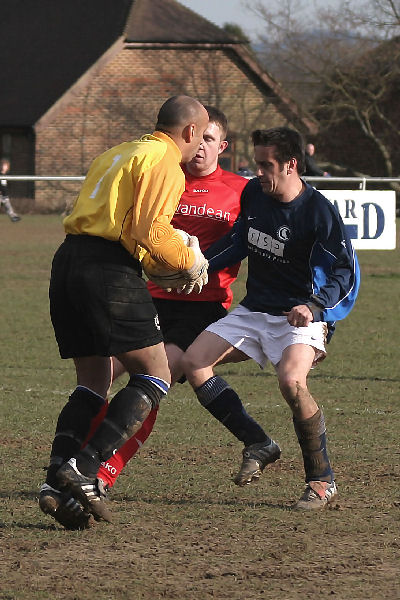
79, 77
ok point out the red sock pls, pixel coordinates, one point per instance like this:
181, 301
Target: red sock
95, 422
110, 469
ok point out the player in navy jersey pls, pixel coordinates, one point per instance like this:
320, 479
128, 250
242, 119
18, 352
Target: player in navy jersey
302, 276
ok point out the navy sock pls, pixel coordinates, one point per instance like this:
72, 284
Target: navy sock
225, 405
311, 434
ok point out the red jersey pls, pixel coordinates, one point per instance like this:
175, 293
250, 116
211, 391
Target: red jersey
207, 209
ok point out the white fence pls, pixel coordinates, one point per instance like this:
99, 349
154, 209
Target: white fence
361, 181
369, 215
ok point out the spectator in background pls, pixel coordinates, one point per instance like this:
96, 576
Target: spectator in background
244, 170
312, 169
4, 198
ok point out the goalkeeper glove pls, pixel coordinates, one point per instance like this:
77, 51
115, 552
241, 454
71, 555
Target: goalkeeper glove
197, 274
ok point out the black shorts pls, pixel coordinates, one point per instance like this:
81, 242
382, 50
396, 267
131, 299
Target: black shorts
182, 320
99, 304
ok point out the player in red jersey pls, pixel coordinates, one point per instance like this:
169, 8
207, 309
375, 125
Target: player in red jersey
207, 209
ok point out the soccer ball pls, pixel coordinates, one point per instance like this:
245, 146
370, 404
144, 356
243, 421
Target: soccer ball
163, 277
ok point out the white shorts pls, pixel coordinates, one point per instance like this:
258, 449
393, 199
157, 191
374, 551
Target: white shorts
264, 337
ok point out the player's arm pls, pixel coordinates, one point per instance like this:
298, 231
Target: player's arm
336, 275
157, 193
228, 250
335, 269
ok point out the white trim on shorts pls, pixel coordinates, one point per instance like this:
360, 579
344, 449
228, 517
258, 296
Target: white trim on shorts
264, 337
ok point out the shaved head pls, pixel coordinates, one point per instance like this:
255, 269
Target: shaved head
184, 120
178, 111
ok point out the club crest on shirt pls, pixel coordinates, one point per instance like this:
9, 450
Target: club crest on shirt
283, 233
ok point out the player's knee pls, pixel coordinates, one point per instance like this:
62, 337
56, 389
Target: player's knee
83, 402
132, 404
154, 388
189, 362
292, 389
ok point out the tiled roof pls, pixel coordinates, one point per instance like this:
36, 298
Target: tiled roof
47, 45
171, 22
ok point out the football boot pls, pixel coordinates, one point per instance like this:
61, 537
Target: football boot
255, 458
63, 507
317, 495
91, 493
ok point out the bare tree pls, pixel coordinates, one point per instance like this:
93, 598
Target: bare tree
343, 66
380, 17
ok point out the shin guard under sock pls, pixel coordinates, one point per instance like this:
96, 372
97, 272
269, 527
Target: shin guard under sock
111, 468
125, 416
72, 428
225, 405
311, 434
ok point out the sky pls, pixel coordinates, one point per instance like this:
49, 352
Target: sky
235, 11
226, 11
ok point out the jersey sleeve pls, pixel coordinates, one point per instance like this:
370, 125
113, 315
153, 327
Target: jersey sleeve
230, 249
335, 269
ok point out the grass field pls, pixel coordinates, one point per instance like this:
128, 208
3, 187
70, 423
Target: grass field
182, 530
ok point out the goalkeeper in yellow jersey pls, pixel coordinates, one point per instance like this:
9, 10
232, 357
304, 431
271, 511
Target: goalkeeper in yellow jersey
100, 305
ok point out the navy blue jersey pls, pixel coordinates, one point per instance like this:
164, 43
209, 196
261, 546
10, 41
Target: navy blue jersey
297, 251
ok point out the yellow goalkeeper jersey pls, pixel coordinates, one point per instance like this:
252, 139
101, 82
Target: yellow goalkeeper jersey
130, 195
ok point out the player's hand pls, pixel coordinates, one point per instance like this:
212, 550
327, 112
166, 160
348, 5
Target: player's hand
197, 274
299, 316
160, 282
186, 280
193, 286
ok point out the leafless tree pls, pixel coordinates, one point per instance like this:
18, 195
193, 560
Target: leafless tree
342, 65
380, 17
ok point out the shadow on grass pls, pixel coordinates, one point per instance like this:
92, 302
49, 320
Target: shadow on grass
27, 494
31, 495
30, 526
356, 378
323, 376
163, 500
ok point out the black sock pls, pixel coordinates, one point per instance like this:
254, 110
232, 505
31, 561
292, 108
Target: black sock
72, 428
125, 416
225, 405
